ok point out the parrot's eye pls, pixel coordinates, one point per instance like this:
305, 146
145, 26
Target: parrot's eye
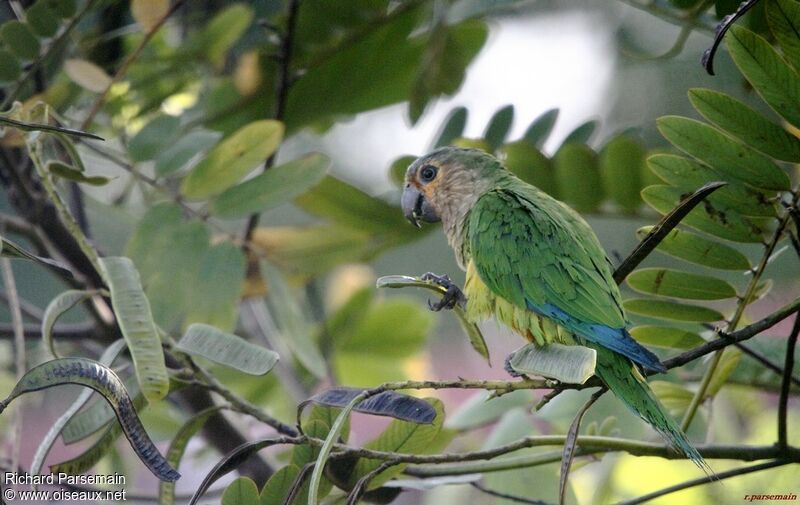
428, 173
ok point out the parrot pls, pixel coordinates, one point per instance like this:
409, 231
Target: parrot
534, 264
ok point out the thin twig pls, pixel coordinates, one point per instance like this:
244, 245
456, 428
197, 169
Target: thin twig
19, 349
210, 382
123, 69
506, 496
783, 411
705, 480
700, 394
662, 229
768, 364
281, 93
363, 482
66, 331
669, 14
30, 309
36, 64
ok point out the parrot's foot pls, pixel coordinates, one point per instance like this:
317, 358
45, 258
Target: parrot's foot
452, 297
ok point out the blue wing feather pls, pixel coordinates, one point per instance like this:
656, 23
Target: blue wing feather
616, 339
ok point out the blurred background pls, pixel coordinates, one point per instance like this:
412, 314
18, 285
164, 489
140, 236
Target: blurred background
370, 85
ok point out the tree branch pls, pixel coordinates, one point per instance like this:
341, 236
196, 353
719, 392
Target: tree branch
700, 394
281, 93
783, 411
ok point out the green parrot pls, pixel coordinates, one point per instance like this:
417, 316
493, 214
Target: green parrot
536, 266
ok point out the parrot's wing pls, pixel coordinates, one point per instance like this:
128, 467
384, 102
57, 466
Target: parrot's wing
538, 255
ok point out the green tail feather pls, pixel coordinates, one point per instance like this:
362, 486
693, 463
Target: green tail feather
628, 385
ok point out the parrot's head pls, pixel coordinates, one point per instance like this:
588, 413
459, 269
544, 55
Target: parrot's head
445, 184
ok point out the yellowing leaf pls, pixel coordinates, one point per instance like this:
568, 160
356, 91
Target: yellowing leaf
233, 158
247, 76
149, 12
87, 75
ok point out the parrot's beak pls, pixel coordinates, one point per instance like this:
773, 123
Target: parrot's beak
416, 208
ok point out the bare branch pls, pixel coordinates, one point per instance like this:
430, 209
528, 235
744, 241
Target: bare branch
662, 229
783, 411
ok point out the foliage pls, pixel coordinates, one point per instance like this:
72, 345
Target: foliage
203, 109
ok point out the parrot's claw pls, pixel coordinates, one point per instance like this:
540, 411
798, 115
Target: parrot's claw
452, 297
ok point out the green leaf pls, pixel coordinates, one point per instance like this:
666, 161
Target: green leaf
402, 437
499, 126
232, 159
274, 187
663, 309
688, 175
71, 173
215, 294
9, 249
403, 326
578, 178
581, 134
342, 203
242, 491
62, 8
447, 55
178, 154
621, 163
170, 255
278, 486
483, 408
10, 68
136, 322
224, 29
773, 79
227, 349
108, 357
706, 217
370, 83
18, 37
166, 490
572, 364
700, 250
530, 165
744, 123
783, 17
677, 284
154, 138
57, 306
312, 250
452, 127
294, 329
722, 153
41, 19
667, 337
541, 127
103, 380
727, 364
674, 397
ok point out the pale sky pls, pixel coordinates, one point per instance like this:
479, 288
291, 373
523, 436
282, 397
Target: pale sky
535, 63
